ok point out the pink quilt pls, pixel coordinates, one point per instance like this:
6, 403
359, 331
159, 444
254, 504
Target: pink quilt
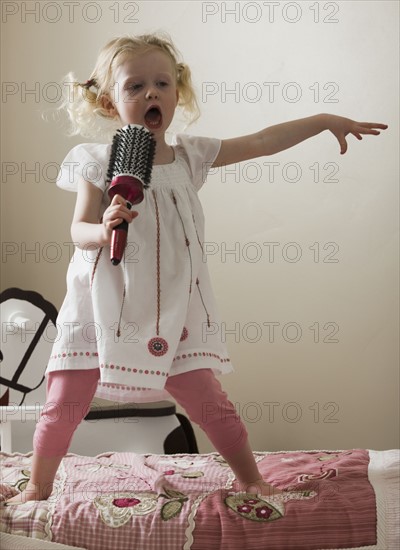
191, 502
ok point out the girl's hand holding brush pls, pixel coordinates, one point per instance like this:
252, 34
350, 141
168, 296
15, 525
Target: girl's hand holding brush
115, 214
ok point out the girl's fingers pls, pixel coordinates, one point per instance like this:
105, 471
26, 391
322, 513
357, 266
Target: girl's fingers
122, 212
128, 216
356, 129
364, 131
373, 125
368, 128
117, 199
120, 203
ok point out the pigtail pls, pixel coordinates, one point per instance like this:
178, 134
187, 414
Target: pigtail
81, 102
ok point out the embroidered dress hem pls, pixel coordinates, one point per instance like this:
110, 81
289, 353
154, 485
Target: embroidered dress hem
129, 394
110, 375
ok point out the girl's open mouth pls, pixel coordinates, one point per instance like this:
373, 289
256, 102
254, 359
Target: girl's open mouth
153, 118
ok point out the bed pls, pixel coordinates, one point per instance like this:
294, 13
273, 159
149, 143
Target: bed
334, 499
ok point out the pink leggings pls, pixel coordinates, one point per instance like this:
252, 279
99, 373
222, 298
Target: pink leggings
70, 393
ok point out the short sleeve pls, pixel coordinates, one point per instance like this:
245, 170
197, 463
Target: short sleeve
88, 161
200, 153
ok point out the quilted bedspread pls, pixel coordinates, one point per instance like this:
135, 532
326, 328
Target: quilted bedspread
333, 499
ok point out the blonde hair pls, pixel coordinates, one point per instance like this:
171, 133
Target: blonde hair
83, 101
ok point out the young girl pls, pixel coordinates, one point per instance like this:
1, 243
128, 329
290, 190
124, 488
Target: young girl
145, 330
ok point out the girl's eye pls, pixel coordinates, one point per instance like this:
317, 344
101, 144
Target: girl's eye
162, 83
134, 87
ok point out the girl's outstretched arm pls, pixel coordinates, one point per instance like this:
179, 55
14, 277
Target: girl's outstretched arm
277, 138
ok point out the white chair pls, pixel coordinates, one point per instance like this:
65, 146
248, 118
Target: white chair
28, 330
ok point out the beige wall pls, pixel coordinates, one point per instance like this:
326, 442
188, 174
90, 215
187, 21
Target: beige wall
315, 393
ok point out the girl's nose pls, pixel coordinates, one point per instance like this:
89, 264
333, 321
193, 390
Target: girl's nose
151, 93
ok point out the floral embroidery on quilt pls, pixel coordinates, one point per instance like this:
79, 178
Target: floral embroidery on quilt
182, 464
12, 488
172, 508
22, 482
332, 455
332, 472
323, 474
221, 461
254, 509
328, 457
186, 475
116, 512
192, 475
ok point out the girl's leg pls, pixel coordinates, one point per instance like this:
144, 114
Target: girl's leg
69, 395
207, 405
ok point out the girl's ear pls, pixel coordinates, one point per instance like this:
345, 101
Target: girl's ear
177, 96
108, 105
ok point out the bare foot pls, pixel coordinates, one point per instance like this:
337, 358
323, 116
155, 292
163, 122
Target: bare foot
31, 492
262, 488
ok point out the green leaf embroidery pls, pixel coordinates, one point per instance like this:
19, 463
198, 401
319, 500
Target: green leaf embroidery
323, 458
171, 509
22, 484
221, 461
192, 474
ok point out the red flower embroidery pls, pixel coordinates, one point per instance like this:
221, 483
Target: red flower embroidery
244, 509
125, 502
263, 512
251, 501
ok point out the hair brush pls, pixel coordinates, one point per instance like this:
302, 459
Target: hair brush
129, 170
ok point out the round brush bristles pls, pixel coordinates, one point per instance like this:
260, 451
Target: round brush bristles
132, 152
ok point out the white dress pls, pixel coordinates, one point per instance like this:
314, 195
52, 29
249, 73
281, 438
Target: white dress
167, 316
